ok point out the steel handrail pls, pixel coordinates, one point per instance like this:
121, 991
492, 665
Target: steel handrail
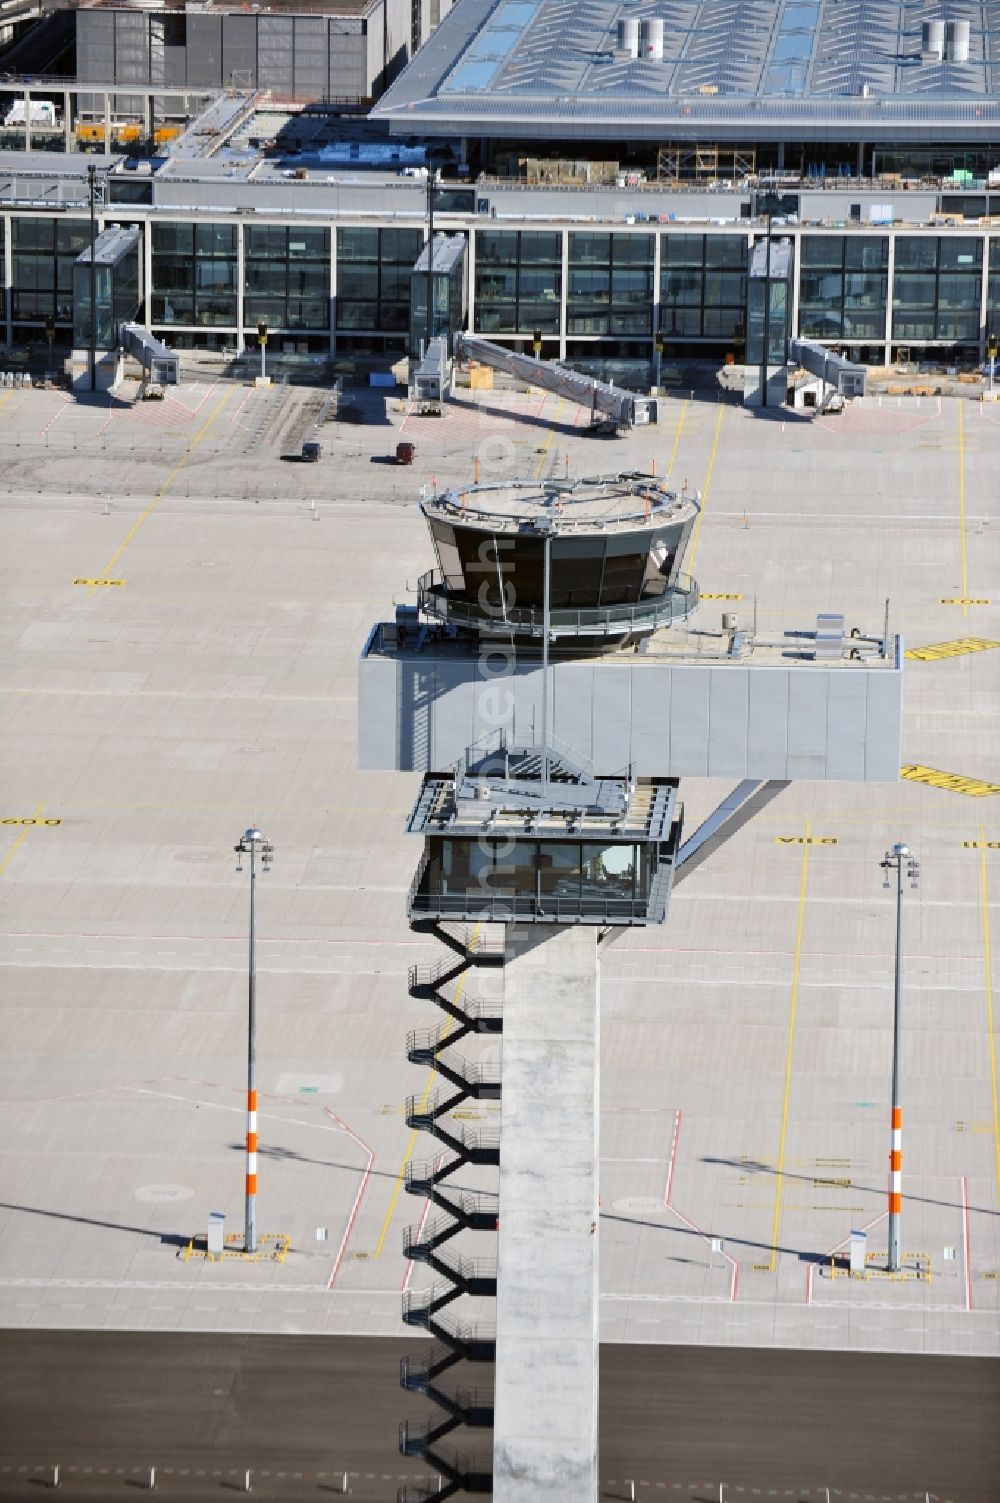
678, 601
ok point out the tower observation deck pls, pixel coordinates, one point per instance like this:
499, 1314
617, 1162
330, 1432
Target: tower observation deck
614, 546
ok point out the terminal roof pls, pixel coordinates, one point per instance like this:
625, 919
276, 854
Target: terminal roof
756, 69
593, 504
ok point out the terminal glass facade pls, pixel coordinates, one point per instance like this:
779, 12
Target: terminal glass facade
286, 277
610, 285
591, 290
844, 286
194, 274
936, 288
703, 287
373, 281
518, 281
43, 252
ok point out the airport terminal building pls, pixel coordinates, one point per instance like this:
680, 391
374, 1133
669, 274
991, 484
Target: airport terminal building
607, 168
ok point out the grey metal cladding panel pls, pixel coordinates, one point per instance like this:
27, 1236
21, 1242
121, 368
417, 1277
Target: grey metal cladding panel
807, 692
204, 50
767, 724
572, 719
275, 31
378, 742
452, 723
239, 44
310, 30
846, 726
884, 741
649, 729
131, 71
415, 709
493, 710
728, 713
175, 65
526, 687
95, 28
274, 71
612, 711
689, 721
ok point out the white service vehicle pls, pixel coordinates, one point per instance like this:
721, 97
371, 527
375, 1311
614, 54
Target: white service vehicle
43, 112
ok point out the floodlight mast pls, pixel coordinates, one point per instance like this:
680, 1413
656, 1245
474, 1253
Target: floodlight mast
252, 841
895, 860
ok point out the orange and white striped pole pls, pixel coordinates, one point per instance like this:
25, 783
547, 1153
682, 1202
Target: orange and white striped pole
895, 860
896, 1163
251, 842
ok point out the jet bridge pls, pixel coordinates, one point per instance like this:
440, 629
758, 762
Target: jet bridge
623, 408
847, 378
159, 364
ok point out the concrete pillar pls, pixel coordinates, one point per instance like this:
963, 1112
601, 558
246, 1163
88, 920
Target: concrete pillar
546, 1405
67, 121
564, 295
333, 289
107, 122
8, 281
146, 289
27, 119
240, 320
861, 159
796, 278
984, 299
890, 274
471, 264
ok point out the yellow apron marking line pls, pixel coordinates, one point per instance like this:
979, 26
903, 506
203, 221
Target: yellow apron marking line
988, 977
414, 1135
705, 595
955, 649
964, 600
93, 582
677, 436
696, 534
796, 967
806, 840
953, 782
981, 845
548, 442
17, 844
161, 492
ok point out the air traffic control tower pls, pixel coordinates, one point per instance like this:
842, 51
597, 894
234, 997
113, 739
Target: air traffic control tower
552, 689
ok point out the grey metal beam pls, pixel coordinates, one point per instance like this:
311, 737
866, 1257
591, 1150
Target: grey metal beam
746, 800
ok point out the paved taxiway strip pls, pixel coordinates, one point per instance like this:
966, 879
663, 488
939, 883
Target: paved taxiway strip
301, 1411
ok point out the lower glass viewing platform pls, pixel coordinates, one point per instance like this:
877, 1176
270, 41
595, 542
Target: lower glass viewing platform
596, 852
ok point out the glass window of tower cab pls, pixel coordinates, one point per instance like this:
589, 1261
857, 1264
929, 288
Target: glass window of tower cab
614, 547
